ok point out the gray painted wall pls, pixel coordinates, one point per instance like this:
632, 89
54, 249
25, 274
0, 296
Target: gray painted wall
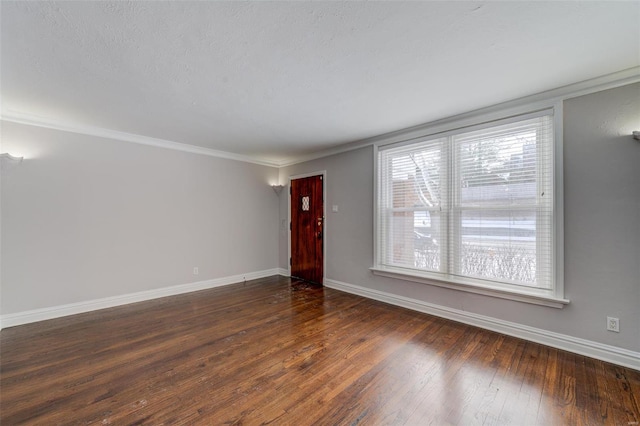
85, 218
602, 226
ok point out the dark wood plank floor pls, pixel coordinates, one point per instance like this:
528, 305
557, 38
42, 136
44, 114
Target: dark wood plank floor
281, 352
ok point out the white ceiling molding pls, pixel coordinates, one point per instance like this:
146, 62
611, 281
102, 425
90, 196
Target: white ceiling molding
32, 120
527, 104
609, 81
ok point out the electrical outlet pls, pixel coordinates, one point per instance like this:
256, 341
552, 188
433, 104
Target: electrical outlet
195, 270
613, 324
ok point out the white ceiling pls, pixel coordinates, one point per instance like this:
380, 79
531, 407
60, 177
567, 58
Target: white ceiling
276, 80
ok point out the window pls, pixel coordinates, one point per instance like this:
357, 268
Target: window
474, 207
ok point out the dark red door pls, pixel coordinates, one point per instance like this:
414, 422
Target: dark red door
307, 226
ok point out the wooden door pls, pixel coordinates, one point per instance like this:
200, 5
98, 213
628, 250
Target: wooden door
307, 228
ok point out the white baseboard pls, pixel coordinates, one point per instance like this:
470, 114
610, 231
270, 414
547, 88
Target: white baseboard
26, 317
576, 345
284, 272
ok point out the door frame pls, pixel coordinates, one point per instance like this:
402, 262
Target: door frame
322, 173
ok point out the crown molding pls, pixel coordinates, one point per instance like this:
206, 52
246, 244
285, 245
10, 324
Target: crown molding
609, 81
538, 100
48, 123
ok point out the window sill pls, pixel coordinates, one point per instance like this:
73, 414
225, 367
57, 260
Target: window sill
460, 285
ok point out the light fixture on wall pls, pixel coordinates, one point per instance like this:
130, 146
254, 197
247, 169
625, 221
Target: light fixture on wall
277, 188
7, 156
636, 135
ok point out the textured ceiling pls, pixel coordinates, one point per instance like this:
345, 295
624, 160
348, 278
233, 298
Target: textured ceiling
279, 80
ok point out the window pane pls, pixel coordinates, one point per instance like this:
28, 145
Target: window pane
498, 168
305, 203
416, 178
498, 245
427, 241
416, 240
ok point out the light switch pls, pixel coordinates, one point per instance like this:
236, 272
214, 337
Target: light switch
334, 208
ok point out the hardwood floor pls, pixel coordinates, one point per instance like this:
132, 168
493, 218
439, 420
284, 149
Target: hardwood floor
280, 352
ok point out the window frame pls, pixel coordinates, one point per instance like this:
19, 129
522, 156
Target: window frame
553, 297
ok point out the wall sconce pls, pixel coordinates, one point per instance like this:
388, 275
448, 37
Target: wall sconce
636, 135
277, 188
10, 157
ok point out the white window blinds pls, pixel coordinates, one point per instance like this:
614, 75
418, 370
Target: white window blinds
474, 204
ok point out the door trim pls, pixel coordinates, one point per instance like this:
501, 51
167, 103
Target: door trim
322, 173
